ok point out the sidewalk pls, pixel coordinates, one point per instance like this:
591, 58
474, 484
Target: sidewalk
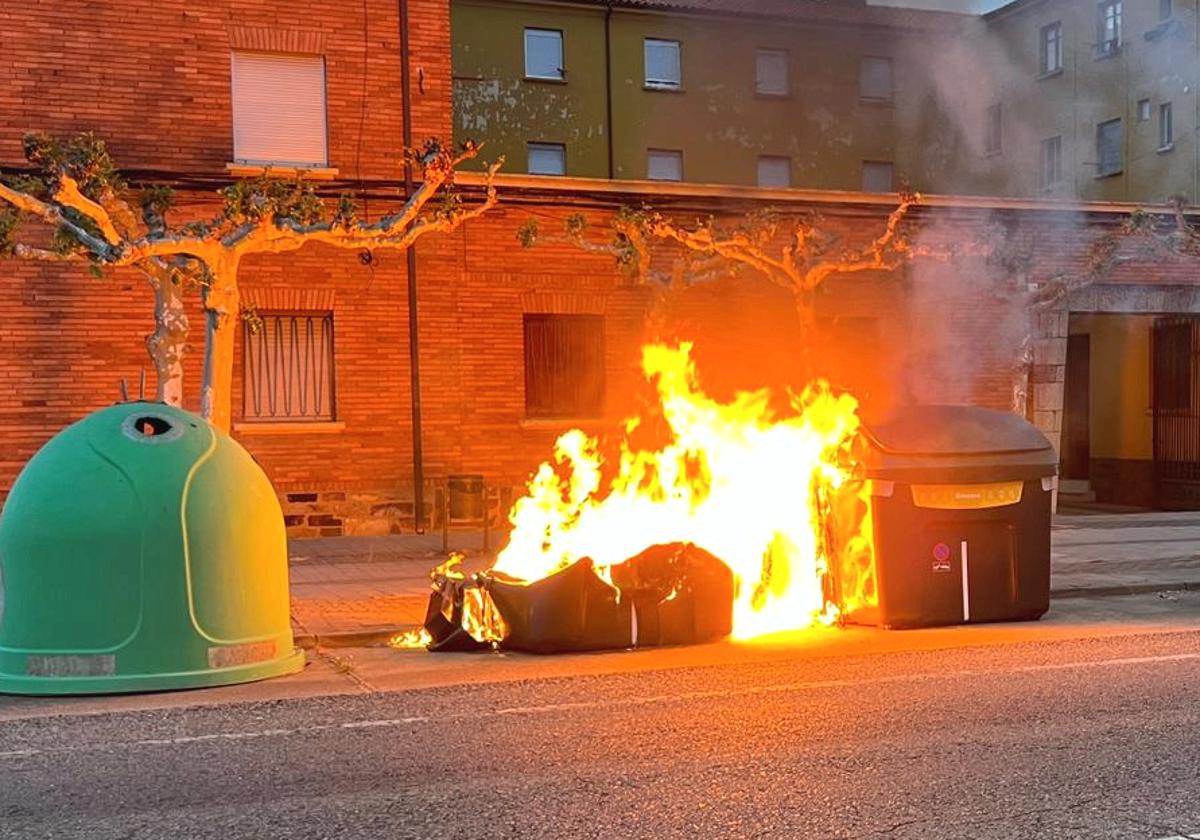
362, 590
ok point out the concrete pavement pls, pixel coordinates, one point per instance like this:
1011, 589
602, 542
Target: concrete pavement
362, 590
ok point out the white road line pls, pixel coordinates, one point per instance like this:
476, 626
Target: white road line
589, 705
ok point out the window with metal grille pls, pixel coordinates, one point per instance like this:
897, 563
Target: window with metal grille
564, 365
279, 109
1110, 147
1052, 47
288, 367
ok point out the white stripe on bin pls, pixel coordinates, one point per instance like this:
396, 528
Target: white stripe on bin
966, 585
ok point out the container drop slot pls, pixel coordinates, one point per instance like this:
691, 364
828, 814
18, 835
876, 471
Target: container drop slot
152, 426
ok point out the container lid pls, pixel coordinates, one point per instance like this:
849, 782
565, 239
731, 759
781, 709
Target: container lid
954, 430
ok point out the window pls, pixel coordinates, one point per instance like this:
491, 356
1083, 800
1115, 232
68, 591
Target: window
875, 80
1166, 8
774, 171
1052, 171
1108, 38
288, 367
544, 54
994, 130
771, 73
1166, 129
547, 159
664, 165
1052, 48
1143, 110
564, 365
278, 109
877, 176
1110, 147
662, 64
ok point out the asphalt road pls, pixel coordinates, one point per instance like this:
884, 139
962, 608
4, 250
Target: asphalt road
1093, 737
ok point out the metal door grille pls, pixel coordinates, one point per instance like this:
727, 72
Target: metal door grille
1175, 396
289, 367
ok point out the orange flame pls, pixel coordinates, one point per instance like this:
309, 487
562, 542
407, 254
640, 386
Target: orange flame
758, 491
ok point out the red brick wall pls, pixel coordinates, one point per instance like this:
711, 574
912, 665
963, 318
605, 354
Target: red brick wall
153, 78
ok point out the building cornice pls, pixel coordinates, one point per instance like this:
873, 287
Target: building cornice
870, 16
616, 192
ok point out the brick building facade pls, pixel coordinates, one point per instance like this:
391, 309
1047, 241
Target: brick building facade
154, 81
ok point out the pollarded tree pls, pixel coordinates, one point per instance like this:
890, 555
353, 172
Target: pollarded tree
796, 253
77, 190
792, 251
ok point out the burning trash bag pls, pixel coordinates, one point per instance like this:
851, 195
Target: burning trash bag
667, 595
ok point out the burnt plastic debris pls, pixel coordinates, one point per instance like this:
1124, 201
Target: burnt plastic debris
668, 595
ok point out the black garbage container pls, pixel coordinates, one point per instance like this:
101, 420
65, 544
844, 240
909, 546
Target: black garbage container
961, 504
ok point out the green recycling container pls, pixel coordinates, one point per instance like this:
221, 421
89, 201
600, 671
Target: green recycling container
141, 549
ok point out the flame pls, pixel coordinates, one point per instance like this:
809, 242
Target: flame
762, 493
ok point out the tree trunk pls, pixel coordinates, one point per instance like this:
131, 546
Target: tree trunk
1021, 377
806, 315
221, 317
168, 343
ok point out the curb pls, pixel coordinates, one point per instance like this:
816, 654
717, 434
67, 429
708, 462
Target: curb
380, 635
1124, 589
350, 638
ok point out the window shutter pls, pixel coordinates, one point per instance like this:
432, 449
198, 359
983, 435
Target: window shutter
774, 172
664, 165
547, 159
662, 63
878, 176
772, 72
875, 79
543, 54
279, 109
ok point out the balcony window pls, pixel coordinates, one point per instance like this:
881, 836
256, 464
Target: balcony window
1108, 36
1051, 48
1052, 171
1110, 147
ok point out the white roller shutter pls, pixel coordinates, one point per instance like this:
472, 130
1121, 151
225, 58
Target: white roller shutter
279, 109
